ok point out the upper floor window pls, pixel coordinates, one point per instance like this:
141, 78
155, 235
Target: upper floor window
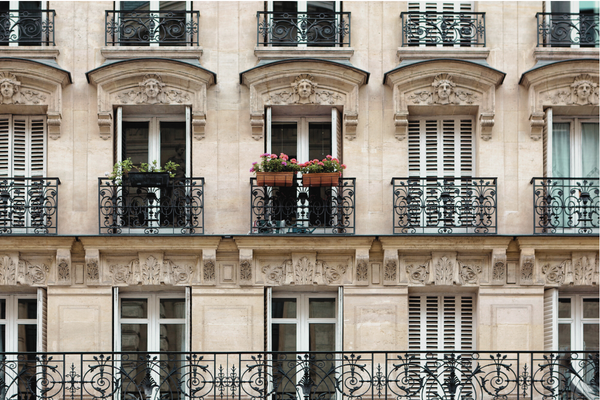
26, 23
569, 24
22, 145
578, 321
18, 323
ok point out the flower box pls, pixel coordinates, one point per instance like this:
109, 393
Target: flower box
148, 179
275, 178
321, 179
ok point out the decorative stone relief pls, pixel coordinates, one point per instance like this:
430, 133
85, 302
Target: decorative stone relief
527, 270
498, 268
583, 271
334, 274
582, 92
390, 266
32, 274
208, 272
177, 274
362, 271
469, 274
305, 273
151, 271
303, 91
444, 92
555, 274
63, 267
276, 274
11, 92
152, 90
444, 271
7, 270
418, 273
92, 262
245, 267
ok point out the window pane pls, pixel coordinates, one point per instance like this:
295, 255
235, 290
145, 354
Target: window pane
320, 6
134, 337
172, 308
285, 6
172, 145
2, 338
564, 337
172, 5
2, 309
322, 337
134, 308
27, 309
590, 337
590, 308
319, 140
284, 337
321, 308
284, 139
172, 337
27, 337
589, 146
283, 308
135, 5
564, 308
561, 150
135, 142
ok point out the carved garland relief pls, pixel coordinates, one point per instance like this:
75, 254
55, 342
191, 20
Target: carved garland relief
444, 92
305, 273
303, 91
150, 272
152, 90
582, 92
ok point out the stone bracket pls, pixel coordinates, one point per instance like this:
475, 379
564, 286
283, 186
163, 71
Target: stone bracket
198, 125
527, 271
105, 125
209, 266
390, 267
63, 267
498, 270
350, 124
246, 267
257, 121
362, 267
401, 124
536, 120
92, 267
486, 123
54, 120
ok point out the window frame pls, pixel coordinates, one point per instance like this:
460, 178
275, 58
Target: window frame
576, 321
14, 5
12, 321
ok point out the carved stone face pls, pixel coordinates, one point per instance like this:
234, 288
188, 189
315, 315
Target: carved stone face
583, 92
7, 89
152, 88
444, 90
304, 89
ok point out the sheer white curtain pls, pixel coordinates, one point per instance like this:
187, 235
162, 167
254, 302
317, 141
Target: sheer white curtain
589, 149
561, 150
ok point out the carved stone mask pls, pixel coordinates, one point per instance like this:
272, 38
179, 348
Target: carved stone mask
305, 88
152, 88
7, 89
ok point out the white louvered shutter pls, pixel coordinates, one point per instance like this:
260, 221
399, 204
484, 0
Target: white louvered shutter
432, 6
5, 145
42, 320
336, 133
37, 146
551, 319
23, 146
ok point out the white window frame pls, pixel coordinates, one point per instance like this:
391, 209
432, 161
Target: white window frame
574, 10
14, 5
440, 6
13, 321
576, 321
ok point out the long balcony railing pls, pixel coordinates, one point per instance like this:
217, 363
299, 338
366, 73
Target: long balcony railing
445, 205
566, 30
28, 206
27, 28
174, 208
303, 210
329, 29
566, 205
443, 29
308, 376
143, 28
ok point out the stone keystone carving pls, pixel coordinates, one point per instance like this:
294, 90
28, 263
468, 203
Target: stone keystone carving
444, 92
7, 271
152, 91
583, 271
304, 91
583, 91
11, 92
444, 271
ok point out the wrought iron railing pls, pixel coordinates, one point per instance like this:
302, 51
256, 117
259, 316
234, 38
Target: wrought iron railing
307, 376
308, 28
176, 208
566, 30
298, 209
27, 28
566, 205
142, 28
443, 29
445, 205
28, 206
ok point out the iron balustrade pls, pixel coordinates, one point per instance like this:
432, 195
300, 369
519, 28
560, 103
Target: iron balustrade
29, 28
566, 30
445, 205
28, 206
176, 208
326, 29
303, 210
141, 28
565, 205
443, 28
457, 375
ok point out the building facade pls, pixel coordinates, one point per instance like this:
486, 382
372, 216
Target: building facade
457, 255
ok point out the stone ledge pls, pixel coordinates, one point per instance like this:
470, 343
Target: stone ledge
565, 53
30, 52
328, 53
425, 53
170, 52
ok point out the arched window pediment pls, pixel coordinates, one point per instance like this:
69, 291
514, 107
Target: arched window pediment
325, 83
431, 86
151, 82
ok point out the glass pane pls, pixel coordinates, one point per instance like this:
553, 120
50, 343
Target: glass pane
284, 337
30, 5
2, 338
590, 337
285, 6
172, 337
561, 150
319, 140
134, 308
135, 142
321, 337
135, 5
134, 337
321, 308
560, 7
564, 308
2, 309
590, 308
172, 6
589, 153
27, 337
589, 7
284, 139
172, 145
283, 308
564, 337
320, 6
27, 309
172, 308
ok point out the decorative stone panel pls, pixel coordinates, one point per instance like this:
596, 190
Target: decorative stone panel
209, 267
305, 269
64, 275
390, 267
499, 267
246, 267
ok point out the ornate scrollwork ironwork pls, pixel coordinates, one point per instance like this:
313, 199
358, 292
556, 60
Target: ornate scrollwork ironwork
175, 208
32, 28
566, 205
443, 28
564, 29
311, 28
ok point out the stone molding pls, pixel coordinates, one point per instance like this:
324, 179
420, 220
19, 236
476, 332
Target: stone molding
31, 52
564, 53
166, 52
279, 53
431, 53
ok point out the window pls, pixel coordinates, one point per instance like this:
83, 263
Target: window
573, 23
22, 23
578, 323
22, 146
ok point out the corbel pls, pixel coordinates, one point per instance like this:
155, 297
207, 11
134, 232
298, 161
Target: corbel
105, 124
498, 270
401, 124
92, 266
536, 120
390, 267
63, 267
209, 269
486, 123
527, 271
246, 263
362, 266
257, 121
53, 120
198, 125
350, 124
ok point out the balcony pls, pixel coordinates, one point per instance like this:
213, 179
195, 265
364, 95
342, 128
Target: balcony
28, 206
330, 29
173, 208
443, 29
303, 210
307, 376
445, 205
146, 28
27, 28
565, 205
567, 30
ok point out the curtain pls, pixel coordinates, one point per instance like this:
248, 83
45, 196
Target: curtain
561, 152
589, 150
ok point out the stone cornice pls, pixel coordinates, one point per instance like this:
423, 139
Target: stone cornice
300, 244
185, 244
34, 52
175, 52
559, 243
279, 53
426, 53
564, 53
444, 243
41, 243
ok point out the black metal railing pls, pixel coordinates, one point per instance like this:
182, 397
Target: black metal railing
176, 208
27, 28
141, 28
565, 205
308, 376
445, 205
28, 206
327, 29
298, 209
443, 28
565, 30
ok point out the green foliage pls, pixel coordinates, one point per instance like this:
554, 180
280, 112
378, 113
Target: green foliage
124, 167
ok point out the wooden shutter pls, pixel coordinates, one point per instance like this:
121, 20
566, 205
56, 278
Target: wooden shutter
188, 318
37, 146
268, 321
547, 143
336, 134
268, 130
19, 156
5, 145
42, 320
22, 146
551, 319
418, 6
116, 327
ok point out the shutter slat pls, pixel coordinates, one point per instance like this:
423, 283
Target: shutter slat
20, 146
551, 319
38, 146
5, 145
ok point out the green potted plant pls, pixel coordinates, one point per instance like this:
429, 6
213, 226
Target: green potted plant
275, 171
146, 175
326, 172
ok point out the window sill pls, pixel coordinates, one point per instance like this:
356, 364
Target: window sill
329, 53
168, 52
30, 52
565, 53
426, 53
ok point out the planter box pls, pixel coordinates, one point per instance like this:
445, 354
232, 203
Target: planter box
321, 179
275, 178
148, 179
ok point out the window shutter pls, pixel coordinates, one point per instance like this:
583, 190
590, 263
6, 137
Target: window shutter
19, 158
268, 314
414, 148
5, 145
42, 320
37, 148
268, 129
336, 133
547, 143
466, 147
418, 6
188, 318
551, 319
